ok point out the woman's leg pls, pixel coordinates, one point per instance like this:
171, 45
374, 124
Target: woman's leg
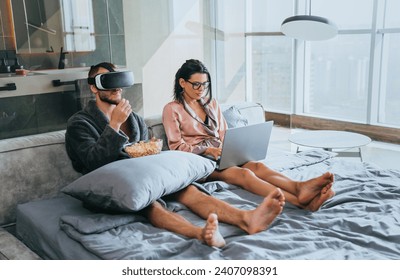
260, 180
305, 191
246, 179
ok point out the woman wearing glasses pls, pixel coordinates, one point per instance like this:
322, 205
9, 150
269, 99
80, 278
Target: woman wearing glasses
194, 123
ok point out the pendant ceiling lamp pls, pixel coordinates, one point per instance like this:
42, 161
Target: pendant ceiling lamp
308, 27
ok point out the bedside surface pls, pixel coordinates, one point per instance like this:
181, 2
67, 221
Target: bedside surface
329, 139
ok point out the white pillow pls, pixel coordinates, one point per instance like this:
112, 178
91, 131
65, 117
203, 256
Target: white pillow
234, 118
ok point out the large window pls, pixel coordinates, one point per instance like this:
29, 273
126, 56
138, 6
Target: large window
336, 78
270, 59
337, 71
390, 83
352, 77
272, 72
389, 91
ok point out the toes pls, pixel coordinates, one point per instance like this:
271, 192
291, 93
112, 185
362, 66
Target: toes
213, 218
326, 188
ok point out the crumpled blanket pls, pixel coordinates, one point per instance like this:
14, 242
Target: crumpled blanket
362, 221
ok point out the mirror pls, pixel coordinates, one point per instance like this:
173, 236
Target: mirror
78, 25
47, 26
37, 25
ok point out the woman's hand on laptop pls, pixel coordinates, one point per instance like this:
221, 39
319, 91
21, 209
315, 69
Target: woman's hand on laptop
214, 152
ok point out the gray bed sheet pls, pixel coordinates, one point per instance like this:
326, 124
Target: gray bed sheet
361, 222
38, 225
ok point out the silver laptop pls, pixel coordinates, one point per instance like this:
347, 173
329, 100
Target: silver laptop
244, 144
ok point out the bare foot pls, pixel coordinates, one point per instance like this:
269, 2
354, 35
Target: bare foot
310, 189
210, 233
317, 202
260, 218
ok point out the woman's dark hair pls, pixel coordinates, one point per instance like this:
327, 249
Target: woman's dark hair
190, 67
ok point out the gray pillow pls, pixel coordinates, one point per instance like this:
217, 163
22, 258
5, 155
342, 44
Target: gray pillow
132, 184
234, 118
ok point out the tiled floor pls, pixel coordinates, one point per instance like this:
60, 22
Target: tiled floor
382, 154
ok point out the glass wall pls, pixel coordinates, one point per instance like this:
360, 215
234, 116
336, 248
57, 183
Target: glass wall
337, 71
351, 77
270, 55
389, 98
389, 91
271, 70
336, 78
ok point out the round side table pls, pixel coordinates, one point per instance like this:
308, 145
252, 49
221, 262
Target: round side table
330, 140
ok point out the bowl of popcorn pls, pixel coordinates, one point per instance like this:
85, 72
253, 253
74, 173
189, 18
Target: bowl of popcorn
144, 148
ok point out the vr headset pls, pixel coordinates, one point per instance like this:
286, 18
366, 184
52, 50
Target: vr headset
112, 79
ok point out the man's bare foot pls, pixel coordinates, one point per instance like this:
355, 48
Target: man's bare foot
317, 202
210, 233
310, 189
260, 218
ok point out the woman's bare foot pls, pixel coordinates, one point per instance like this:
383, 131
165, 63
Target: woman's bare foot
310, 189
210, 233
317, 202
260, 218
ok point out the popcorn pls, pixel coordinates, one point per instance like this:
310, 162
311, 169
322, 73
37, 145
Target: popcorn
143, 148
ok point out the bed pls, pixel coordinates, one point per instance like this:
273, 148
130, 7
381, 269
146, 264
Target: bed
361, 222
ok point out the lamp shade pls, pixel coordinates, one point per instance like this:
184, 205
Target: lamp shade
309, 28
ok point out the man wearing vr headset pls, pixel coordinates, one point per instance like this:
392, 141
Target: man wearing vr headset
96, 136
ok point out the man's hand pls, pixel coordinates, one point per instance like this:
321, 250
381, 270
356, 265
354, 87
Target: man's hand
214, 152
120, 114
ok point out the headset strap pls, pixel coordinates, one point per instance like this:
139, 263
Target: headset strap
91, 81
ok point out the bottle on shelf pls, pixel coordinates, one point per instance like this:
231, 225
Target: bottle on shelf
16, 65
4, 67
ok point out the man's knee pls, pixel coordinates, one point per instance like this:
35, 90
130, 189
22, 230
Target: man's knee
154, 209
189, 192
151, 207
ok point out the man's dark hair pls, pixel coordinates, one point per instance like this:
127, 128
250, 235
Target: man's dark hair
95, 68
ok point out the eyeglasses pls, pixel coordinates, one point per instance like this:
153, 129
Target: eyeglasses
197, 85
